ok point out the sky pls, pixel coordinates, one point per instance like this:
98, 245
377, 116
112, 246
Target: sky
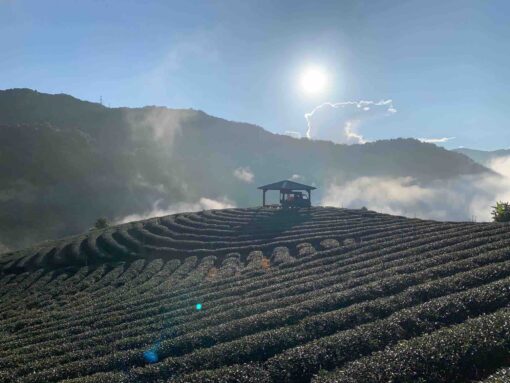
436, 70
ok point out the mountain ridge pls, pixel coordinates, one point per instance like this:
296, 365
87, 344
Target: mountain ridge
483, 157
66, 162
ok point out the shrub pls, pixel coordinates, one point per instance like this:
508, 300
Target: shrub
501, 212
101, 223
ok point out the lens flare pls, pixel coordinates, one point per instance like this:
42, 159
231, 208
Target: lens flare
150, 356
198, 306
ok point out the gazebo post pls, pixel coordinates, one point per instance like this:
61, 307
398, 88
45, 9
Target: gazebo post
264, 197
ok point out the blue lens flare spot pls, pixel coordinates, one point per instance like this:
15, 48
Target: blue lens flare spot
198, 306
150, 356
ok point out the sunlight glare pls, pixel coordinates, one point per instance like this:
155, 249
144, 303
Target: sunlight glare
313, 80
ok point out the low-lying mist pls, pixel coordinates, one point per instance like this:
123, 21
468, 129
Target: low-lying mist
158, 209
66, 163
467, 197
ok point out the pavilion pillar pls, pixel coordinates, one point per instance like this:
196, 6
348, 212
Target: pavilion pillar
264, 198
310, 197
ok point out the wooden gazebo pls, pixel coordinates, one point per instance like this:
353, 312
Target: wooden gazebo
290, 193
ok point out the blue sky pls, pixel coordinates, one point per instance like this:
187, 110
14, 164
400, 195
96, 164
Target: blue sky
444, 64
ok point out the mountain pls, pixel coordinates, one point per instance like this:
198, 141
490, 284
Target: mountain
483, 157
66, 162
261, 295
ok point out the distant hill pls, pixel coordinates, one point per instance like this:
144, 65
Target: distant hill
261, 296
483, 157
65, 162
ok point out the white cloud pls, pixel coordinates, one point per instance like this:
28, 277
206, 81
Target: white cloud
297, 177
436, 140
350, 129
158, 210
244, 174
340, 122
461, 198
501, 165
164, 124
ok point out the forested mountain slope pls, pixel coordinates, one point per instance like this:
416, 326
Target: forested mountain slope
66, 162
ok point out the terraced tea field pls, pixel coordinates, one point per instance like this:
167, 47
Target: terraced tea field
261, 295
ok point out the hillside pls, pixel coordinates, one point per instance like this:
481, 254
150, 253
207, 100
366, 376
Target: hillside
483, 157
66, 162
261, 295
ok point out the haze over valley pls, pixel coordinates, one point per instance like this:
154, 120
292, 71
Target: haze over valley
66, 162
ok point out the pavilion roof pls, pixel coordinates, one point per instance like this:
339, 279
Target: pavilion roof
286, 185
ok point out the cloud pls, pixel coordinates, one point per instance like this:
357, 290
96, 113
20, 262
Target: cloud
350, 129
160, 123
297, 177
501, 165
244, 174
436, 140
459, 199
158, 210
339, 122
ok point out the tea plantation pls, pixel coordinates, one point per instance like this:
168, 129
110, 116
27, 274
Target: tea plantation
261, 295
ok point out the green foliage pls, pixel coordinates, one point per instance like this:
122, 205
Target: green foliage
452, 354
101, 223
412, 301
501, 212
500, 376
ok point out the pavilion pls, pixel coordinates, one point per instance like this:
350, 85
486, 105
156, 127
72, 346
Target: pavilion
290, 193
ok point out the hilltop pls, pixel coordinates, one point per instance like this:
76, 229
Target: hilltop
261, 295
65, 162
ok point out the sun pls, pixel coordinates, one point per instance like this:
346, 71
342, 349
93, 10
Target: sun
313, 80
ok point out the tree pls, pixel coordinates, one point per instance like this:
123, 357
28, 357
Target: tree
501, 212
101, 223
